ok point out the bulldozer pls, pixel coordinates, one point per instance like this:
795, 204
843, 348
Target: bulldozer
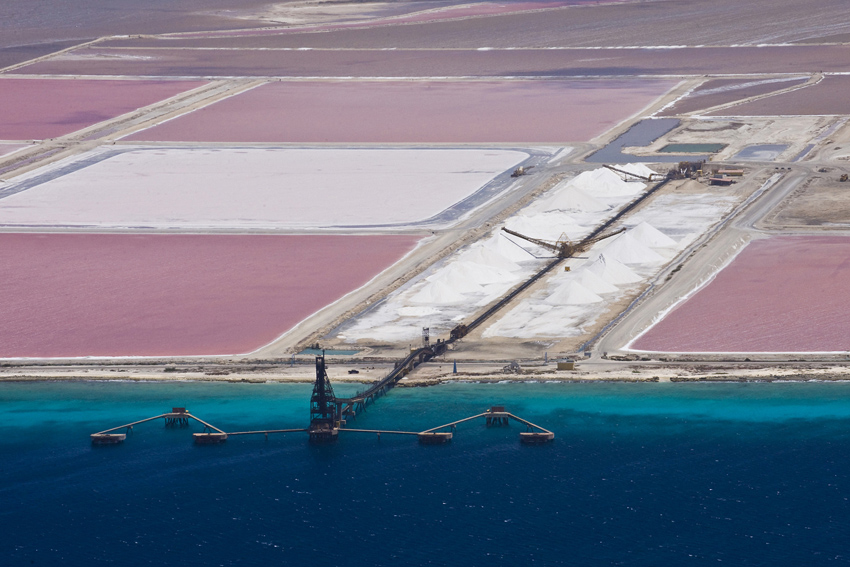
564, 247
844, 177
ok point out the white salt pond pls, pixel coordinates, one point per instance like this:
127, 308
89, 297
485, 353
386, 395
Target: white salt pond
264, 188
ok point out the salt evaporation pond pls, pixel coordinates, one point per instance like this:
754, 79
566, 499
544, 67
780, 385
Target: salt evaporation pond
162, 295
782, 294
642, 134
251, 187
761, 152
46, 108
412, 111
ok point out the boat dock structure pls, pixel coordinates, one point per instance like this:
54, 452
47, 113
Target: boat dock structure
329, 416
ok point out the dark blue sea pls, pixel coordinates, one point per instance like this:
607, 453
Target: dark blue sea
639, 474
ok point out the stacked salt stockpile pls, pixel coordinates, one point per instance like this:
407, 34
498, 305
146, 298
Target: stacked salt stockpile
605, 183
612, 271
648, 235
629, 250
546, 226
572, 293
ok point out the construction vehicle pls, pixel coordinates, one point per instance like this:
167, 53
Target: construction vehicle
563, 247
844, 177
686, 170
521, 170
648, 179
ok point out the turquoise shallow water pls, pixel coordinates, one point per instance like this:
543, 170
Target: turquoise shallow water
640, 474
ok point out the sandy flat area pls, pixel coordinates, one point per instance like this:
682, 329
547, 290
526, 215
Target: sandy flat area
67, 295
415, 112
257, 188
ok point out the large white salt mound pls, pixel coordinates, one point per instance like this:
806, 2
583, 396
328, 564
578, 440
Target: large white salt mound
574, 199
438, 293
504, 245
572, 293
595, 283
637, 169
629, 251
545, 226
613, 271
480, 274
648, 235
487, 257
603, 182
456, 279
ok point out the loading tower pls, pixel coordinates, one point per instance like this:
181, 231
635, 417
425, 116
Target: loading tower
324, 425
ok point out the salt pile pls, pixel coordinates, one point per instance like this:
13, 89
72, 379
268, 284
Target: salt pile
648, 235
456, 280
637, 169
574, 199
628, 250
595, 283
438, 293
479, 274
572, 293
505, 246
487, 257
613, 271
605, 183
546, 226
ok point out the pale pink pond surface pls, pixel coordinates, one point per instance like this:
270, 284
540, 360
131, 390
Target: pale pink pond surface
137, 295
432, 112
46, 108
784, 294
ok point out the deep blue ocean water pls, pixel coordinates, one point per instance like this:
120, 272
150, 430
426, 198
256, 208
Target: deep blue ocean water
640, 474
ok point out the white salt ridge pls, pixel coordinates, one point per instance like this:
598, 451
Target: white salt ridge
605, 183
576, 200
595, 283
480, 274
648, 235
487, 257
546, 226
629, 251
613, 271
438, 293
506, 247
572, 293
457, 280
637, 169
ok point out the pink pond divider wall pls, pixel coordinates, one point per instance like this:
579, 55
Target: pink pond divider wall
148, 295
414, 111
46, 108
783, 294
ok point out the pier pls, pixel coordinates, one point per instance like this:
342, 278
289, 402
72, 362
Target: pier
327, 413
176, 417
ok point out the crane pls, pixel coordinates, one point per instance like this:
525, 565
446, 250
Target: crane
564, 247
629, 173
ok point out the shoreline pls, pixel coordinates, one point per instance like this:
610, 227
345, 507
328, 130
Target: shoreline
626, 374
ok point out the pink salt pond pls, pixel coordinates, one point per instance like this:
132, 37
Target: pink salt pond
783, 294
46, 108
414, 111
68, 295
